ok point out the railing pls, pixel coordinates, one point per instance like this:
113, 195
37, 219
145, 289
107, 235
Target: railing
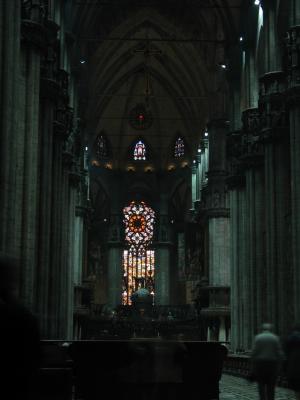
240, 365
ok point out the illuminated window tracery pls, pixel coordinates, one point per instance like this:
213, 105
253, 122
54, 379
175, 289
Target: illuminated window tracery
101, 147
138, 259
179, 148
139, 151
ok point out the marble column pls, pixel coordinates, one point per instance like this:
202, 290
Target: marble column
293, 93
115, 251
11, 189
236, 185
34, 40
49, 91
162, 255
194, 183
274, 132
217, 207
253, 164
198, 175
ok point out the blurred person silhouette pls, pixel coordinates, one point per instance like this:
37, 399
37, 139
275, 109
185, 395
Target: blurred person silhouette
19, 336
267, 355
292, 350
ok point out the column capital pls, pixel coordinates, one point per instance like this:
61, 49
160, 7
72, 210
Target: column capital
272, 106
293, 64
33, 30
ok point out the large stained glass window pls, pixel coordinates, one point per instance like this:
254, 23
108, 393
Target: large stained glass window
179, 148
138, 259
139, 152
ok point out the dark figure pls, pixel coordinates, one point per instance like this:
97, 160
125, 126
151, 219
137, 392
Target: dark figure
19, 337
266, 360
293, 360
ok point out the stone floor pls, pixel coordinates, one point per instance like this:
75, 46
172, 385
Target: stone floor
233, 388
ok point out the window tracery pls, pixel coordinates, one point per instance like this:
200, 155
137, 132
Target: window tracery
139, 152
138, 259
179, 148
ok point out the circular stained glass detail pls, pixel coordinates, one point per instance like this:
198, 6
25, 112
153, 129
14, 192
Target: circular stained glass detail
140, 118
138, 219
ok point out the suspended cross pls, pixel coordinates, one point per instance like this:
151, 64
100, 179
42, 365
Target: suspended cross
148, 52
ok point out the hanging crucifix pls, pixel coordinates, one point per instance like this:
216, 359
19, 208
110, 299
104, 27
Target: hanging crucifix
148, 52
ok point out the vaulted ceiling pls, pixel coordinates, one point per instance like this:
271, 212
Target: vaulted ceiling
163, 55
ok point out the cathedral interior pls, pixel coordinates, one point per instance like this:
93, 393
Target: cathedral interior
150, 166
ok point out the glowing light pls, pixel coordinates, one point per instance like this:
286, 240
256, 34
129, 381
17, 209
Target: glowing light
82, 61
179, 148
138, 260
257, 2
241, 38
206, 134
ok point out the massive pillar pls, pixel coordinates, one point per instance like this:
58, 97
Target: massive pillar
253, 164
115, 250
11, 188
34, 40
162, 254
49, 92
274, 133
293, 93
238, 257
216, 214
217, 207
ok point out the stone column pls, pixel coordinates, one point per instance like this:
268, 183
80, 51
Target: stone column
34, 40
11, 189
194, 183
56, 238
163, 247
238, 258
217, 210
59, 187
49, 92
274, 131
115, 261
198, 176
271, 47
293, 93
254, 172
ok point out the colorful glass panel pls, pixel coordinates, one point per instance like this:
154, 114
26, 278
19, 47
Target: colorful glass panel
139, 151
138, 259
179, 148
101, 147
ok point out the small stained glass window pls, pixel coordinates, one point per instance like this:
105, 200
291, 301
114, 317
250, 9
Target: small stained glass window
139, 151
179, 148
101, 147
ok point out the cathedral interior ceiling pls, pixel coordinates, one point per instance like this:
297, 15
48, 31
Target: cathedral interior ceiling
163, 55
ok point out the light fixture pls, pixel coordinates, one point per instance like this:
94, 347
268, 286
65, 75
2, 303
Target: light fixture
82, 61
257, 2
194, 161
206, 134
241, 38
86, 148
199, 150
224, 66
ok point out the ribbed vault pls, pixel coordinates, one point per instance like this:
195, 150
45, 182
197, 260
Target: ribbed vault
185, 44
